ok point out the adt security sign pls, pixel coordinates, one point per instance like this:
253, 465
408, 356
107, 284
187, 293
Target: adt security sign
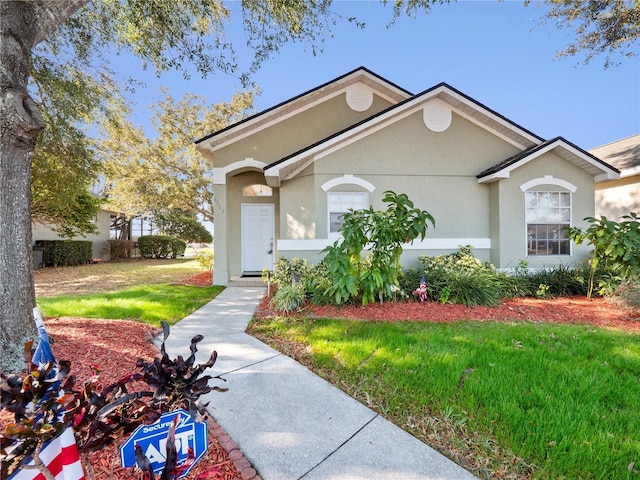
153, 441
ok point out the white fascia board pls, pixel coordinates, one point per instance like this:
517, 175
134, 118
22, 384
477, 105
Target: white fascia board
382, 121
629, 172
606, 176
494, 177
275, 119
611, 174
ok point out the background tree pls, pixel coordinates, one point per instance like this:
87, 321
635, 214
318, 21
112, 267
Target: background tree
182, 225
164, 34
601, 27
145, 176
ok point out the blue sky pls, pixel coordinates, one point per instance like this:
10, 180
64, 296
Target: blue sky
496, 52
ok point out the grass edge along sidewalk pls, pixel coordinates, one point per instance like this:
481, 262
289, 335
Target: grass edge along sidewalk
503, 400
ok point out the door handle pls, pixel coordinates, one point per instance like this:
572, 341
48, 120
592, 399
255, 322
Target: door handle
270, 247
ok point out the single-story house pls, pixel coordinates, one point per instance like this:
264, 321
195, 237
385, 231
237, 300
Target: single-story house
40, 231
284, 177
618, 197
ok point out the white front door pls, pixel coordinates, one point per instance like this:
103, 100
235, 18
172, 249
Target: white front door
257, 237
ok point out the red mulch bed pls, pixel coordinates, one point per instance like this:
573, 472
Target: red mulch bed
204, 279
599, 312
114, 346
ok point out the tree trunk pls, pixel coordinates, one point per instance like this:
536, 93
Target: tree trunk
22, 25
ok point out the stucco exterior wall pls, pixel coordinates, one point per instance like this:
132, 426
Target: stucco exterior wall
298, 219
299, 131
510, 227
42, 232
619, 197
438, 175
436, 170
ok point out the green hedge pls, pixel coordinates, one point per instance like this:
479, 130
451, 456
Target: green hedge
64, 253
161, 246
119, 249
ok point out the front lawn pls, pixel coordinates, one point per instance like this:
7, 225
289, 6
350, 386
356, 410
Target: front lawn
147, 303
505, 400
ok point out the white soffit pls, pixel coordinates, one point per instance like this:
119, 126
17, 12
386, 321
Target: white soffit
486, 119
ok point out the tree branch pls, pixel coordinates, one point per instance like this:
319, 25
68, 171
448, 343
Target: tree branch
53, 14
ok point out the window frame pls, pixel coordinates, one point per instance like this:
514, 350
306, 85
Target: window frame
365, 204
561, 209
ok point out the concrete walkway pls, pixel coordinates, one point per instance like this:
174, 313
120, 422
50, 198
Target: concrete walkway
290, 423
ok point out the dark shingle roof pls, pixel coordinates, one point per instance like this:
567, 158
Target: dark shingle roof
530, 151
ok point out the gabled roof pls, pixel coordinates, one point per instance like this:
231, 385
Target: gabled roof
623, 154
460, 103
299, 103
565, 149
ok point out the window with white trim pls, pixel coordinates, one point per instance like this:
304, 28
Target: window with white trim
340, 203
547, 215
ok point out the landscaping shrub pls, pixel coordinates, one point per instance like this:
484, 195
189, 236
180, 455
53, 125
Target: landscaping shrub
287, 272
461, 261
629, 293
65, 253
380, 233
461, 278
161, 246
120, 249
561, 281
205, 258
312, 278
288, 297
615, 249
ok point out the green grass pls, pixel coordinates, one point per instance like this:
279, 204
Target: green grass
561, 402
146, 303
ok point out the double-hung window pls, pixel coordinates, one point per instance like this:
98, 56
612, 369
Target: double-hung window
547, 215
340, 203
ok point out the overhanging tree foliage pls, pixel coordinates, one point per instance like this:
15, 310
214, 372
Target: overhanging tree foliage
603, 27
146, 176
164, 34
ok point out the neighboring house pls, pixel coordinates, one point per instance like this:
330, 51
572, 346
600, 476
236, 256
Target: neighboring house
100, 248
617, 197
284, 177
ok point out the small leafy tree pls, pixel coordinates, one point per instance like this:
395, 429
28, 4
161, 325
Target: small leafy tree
615, 247
206, 258
382, 233
182, 225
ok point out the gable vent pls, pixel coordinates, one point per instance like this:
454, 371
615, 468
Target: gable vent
437, 115
359, 97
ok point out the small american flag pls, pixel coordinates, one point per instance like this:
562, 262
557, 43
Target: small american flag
60, 455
